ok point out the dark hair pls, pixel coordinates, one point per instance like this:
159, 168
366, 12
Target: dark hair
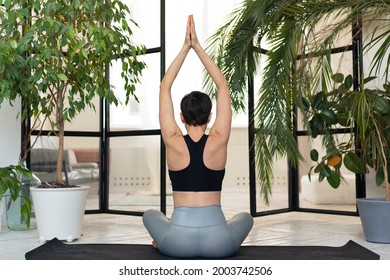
196, 108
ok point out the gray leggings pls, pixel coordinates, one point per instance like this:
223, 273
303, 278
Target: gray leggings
197, 231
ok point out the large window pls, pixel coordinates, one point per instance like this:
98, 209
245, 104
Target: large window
118, 149
137, 178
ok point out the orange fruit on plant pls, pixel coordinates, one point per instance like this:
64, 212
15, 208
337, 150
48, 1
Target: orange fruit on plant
333, 160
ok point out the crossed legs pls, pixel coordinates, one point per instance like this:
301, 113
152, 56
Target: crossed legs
220, 239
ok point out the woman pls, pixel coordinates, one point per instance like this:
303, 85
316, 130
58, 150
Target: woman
196, 164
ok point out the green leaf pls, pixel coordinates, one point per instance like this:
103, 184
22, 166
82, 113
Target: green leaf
334, 179
381, 105
305, 103
317, 100
84, 52
325, 171
62, 77
317, 169
111, 37
72, 33
313, 130
316, 125
379, 177
338, 77
348, 82
353, 163
343, 118
13, 44
369, 79
25, 210
342, 89
320, 177
329, 117
314, 155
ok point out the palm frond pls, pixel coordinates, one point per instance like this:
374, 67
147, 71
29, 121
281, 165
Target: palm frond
300, 35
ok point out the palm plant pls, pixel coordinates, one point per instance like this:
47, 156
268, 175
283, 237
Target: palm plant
296, 38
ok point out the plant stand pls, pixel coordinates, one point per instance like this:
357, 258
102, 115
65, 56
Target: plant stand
59, 212
375, 217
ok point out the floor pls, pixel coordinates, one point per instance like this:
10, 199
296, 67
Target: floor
292, 228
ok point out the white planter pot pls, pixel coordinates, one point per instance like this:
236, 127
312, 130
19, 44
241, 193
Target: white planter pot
59, 212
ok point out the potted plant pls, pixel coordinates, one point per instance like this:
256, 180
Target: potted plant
367, 112
54, 56
11, 189
296, 38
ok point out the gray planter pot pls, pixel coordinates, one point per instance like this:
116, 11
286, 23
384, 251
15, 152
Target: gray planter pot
375, 217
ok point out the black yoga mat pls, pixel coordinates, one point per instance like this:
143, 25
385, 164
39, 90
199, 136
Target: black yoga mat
57, 250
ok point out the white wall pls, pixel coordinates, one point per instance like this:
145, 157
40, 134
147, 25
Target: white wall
10, 134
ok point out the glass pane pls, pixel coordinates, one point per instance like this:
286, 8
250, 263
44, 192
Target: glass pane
81, 158
134, 179
340, 63
146, 14
235, 190
279, 187
320, 195
142, 115
326, 25
86, 120
208, 15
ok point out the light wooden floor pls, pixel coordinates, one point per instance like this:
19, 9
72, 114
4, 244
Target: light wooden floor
294, 228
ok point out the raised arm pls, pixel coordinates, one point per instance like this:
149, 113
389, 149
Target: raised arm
169, 127
222, 125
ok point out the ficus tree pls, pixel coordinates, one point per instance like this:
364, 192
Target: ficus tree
54, 56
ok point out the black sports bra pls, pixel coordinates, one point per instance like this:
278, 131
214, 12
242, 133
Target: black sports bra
196, 177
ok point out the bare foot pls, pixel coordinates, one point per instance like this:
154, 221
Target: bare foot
154, 244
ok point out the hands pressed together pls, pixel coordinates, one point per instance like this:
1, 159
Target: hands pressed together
191, 39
